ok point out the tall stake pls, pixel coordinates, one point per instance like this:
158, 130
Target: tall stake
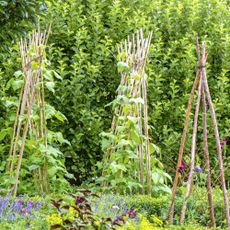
183, 138
193, 154
206, 156
219, 152
32, 53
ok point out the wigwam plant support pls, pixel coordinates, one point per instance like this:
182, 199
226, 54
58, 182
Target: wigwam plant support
203, 98
31, 99
127, 160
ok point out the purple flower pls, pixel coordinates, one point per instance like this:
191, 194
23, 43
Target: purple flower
80, 200
30, 202
24, 211
21, 202
223, 143
38, 205
198, 169
131, 213
16, 206
30, 205
182, 167
119, 219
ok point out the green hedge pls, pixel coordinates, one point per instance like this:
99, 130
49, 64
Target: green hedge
82, 49
197, 209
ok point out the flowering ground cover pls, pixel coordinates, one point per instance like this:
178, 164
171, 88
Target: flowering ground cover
69, 212
87, 210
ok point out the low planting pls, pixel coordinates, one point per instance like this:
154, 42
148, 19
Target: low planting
86, 210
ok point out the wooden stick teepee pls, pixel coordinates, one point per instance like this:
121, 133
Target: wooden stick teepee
133, 53
32, 53
203, 97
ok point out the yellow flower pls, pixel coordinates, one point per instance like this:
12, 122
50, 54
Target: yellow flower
156, 220
97, 222
143, 224
71, 214
54, 219
72, 211
146, 225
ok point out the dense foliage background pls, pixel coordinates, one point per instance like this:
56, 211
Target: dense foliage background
82, 50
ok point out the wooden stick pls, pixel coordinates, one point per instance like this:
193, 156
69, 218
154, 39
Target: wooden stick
22, 109
193, 154
207, 163
183, 138
148, 158
23, 144
219, 152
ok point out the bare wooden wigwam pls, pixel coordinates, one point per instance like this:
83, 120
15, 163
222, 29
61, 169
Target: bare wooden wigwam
203, 97
32, 93
133, 54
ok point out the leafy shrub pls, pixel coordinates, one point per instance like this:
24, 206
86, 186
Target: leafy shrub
197, 210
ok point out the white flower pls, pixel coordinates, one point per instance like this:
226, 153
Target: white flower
115, 207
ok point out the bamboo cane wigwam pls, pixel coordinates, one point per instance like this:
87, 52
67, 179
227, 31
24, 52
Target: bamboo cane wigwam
203, 97
32, 93
133, 54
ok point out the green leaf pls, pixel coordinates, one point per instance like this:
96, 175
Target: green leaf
105, 143
61, 117
122, 67
163, 188
18, 73
4, 133
155, 177
48, 75
153, 148
136, 77
57, 75
35, 65
52, 171
49, 111
54, 151
2, 166
135, 136
138, 100
50, 86
17, 84
132, 184
116, 167
33, 167
69, 176
3, 3
134, 120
